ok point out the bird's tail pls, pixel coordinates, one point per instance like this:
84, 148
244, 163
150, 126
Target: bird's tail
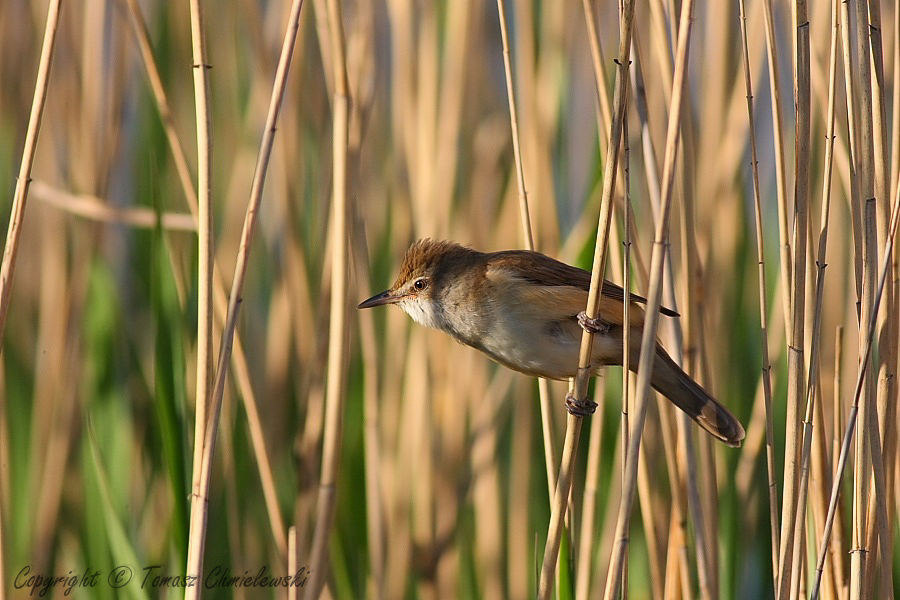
689, 396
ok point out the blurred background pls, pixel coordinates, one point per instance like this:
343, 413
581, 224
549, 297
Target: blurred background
443, 482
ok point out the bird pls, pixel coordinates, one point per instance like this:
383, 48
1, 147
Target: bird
525, 310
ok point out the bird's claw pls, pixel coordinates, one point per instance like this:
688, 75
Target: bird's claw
594, 326
584, 408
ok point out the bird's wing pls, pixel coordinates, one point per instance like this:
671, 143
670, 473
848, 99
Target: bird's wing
573, 283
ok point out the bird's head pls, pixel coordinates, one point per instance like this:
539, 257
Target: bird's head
427, 268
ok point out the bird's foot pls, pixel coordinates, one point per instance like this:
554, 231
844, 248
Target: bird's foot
584, 408
590, 325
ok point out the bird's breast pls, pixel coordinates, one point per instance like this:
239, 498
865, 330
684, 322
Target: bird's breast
522, 339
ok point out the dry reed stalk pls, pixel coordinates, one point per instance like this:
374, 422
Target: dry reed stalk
701, 507
373, 454
528, 237
756, 423
662, 45
879, 131
452, 99
626, 331
600, 86
836, 548
409, 386
486, 493
54, 409
375, 521
877, 507
645, 490
334, 399
654, 296
796, 380
889, 321
96, 209
850, 86
895, 118
851, 419
604, 546
862, 459
626, 285
402, 77
518, 530
254, 427
705, 535
535, 71
527, 234
578, 389
142, 37
813, 376
23, 180
200, 501
706, 573
7, 269
589, 500
422, 176
236, 541
784, 254
821, 476
220, 300
292, 567
603, 114
4, 481
205, 262
766, 382
669, 438
649, 505
422, 488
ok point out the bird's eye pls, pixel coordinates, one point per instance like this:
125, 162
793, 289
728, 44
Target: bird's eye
421, 284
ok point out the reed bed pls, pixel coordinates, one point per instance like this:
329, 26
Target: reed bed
737, 162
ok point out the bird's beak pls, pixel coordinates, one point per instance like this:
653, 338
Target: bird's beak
379, 300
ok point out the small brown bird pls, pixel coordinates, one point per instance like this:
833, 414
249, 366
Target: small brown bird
525, 311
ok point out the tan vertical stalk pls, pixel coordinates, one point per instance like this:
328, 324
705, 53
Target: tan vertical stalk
528, 237
527, 234
763, 313
862, 458
597, 61
811, 387
4, 483
669, 437
142, 36
857, 394
205, 248
626, 331
375, 519
589, 500
850, 86
579, 387
648, 344
20, 196
780, 166
818, 494
836, 548
292, 567
877, 507
200, 499
220, 300
17, 211
888, 318
895, 119
334, 398
798, 298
